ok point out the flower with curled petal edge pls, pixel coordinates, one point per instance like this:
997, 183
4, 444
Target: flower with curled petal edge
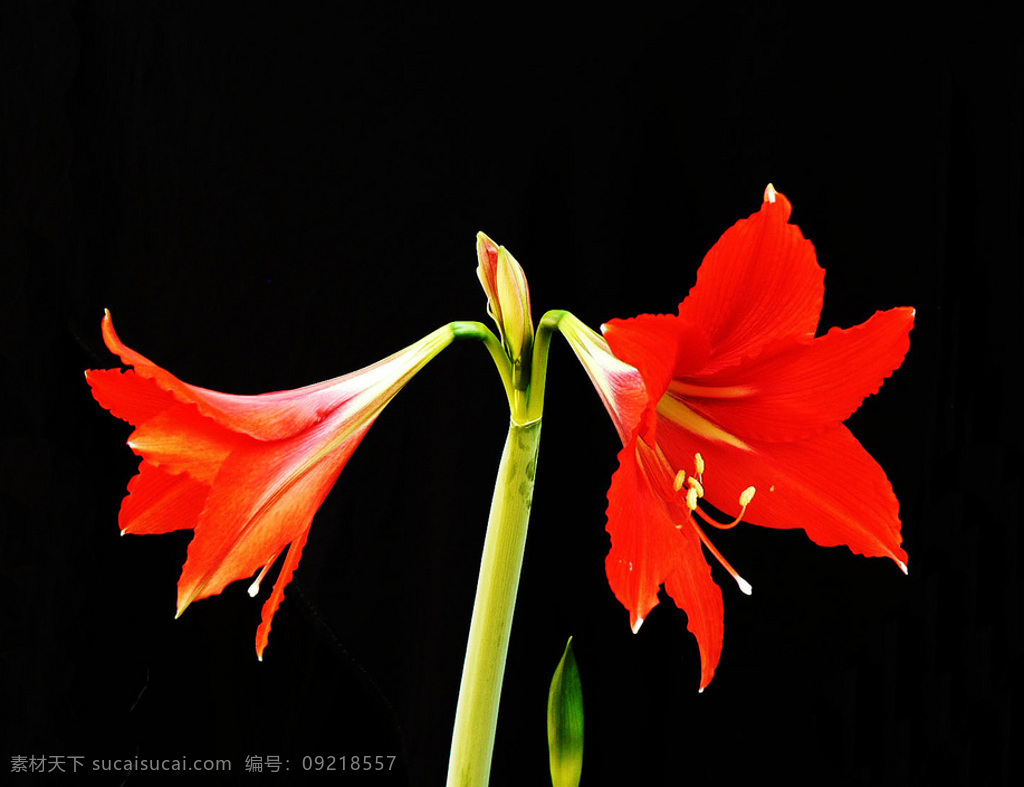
735, 404
246, 473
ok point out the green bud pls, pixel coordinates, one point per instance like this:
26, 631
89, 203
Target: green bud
565, 722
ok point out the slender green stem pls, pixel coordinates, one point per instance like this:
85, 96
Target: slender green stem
541, 345
477, 715
470, 329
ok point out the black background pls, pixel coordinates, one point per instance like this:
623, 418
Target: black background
266, 197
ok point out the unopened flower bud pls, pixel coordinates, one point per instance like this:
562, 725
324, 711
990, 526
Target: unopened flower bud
508, 296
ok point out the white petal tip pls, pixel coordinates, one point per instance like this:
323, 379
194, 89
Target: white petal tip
769, 193
700, 690
745, 586
636, 626
254, 588
903, 567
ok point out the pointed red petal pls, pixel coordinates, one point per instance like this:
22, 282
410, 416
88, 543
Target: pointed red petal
795, 388
695, 592
761, 281
277, 596
159, 502
827, 484
644, 537
263, 498
282, 414
653, 542
265, 416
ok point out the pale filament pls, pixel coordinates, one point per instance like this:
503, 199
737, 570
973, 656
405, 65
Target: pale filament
254, 588
694, 489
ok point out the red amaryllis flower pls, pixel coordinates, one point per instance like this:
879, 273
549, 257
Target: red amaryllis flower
734, 401
246, 473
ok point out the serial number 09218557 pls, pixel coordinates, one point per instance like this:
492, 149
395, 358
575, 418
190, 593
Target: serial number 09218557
350, 762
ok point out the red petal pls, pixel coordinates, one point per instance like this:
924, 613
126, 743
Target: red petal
648, 549
660, 346
283, 414
182, 451
277, 596
760, 282
828, 485
127, 395
159, 502
266, 416
182, 441
694, 591
264, 497
795, 388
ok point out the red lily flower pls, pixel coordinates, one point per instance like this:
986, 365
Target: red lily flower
246, 473
737, 387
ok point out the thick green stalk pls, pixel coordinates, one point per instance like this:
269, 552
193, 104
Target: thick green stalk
477, 715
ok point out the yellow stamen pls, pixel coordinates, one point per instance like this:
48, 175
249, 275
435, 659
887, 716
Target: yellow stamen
695, 490
745, 498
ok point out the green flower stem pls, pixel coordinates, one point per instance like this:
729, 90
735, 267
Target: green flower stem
466, 329
477, 715
541, 344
